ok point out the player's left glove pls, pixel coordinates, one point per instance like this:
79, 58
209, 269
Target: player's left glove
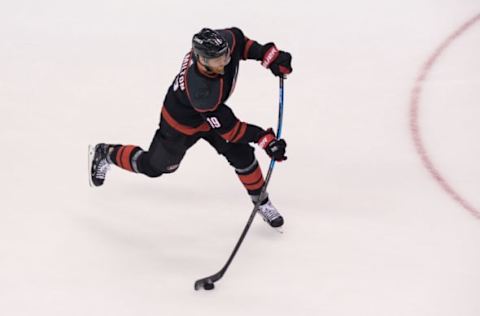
279, 62
274, 147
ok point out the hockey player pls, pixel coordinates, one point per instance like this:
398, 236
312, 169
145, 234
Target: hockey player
194, 108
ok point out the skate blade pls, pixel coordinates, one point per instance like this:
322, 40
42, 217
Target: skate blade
278, 230
91, 153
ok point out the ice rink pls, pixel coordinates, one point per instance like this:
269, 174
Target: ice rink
381, 191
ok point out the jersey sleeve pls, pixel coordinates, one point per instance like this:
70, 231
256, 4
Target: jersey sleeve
251, 49
224, 122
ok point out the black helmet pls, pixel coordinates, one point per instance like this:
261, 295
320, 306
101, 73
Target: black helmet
209, 44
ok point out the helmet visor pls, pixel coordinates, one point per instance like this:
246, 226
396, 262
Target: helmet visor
216, 64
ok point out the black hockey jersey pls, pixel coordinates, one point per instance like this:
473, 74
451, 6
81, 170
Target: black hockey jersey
195, 102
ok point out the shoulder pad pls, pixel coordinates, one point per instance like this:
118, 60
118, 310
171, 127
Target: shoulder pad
205, 94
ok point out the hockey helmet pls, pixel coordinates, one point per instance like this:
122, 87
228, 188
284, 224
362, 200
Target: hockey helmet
209, 44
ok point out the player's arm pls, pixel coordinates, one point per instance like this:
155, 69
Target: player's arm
224, 122
206, 98
278, 61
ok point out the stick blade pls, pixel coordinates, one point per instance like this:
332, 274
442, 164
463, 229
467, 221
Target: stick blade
200, 284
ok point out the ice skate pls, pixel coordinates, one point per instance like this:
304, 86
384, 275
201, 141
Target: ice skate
270, 214
98, 164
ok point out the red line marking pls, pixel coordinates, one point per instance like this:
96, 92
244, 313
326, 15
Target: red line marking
414, 109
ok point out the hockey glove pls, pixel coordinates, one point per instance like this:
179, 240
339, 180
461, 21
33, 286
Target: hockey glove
274, 147
279, 62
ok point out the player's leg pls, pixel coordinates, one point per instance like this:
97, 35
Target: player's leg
166, 151
242, 158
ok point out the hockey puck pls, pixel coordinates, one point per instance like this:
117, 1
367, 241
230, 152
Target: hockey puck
209, 286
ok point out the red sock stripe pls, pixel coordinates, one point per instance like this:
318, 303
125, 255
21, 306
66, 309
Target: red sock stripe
255, 186
118, 157
253, 180
125, 157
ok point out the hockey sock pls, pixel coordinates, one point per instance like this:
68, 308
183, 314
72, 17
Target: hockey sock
125, 156
251, 178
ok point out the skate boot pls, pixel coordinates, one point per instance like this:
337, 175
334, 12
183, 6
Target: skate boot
98, 164
270, 214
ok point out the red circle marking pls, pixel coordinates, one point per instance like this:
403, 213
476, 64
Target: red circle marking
414, 127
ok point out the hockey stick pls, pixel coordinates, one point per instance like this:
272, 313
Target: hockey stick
208, 282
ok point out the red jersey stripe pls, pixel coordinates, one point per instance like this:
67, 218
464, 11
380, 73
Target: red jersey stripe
230, 134
242, 131
187, 130
247, 48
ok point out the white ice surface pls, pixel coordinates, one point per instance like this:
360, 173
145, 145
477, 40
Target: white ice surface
368, 230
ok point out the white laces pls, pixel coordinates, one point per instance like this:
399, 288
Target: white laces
268, 211
102, 169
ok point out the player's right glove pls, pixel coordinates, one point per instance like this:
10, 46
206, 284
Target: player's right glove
278, 61
274, 147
